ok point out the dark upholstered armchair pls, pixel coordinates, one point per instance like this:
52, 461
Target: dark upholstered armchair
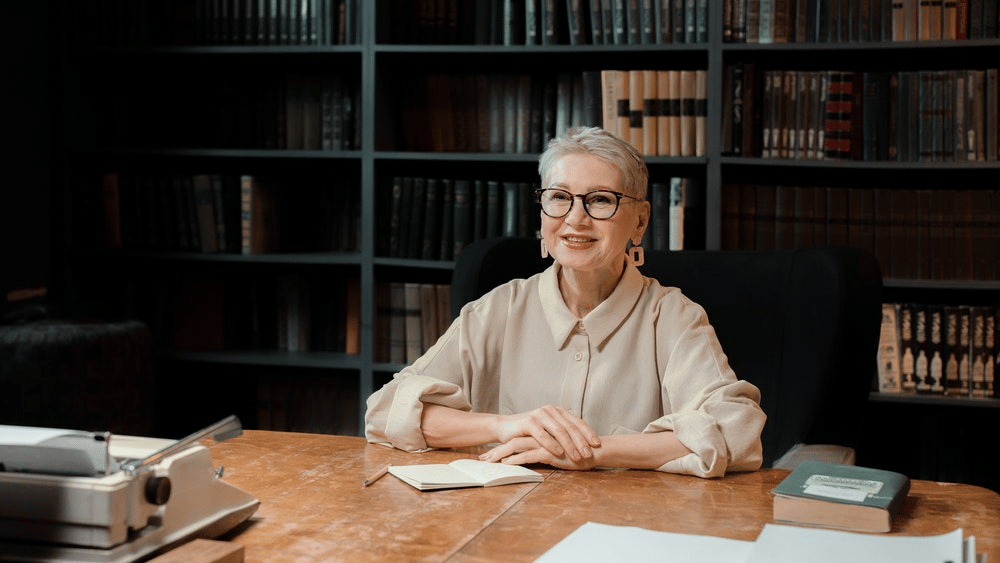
802, 325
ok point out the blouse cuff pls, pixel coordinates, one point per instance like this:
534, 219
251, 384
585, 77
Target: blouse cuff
699, 432
402, 425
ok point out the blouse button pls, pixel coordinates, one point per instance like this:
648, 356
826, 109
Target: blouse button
578, 356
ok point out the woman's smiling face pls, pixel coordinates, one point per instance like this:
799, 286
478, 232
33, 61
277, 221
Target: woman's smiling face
577, 240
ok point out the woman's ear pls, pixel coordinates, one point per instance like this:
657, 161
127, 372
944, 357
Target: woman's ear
643, 222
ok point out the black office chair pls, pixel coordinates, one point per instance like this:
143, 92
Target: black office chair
802, 325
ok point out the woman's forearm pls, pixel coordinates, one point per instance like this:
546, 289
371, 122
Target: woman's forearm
639, 451
445, 427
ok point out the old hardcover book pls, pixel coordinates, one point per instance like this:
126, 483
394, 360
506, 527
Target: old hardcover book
840, 496
614, 85
889, 376
259, 221
688, 99
650, 112
635, 110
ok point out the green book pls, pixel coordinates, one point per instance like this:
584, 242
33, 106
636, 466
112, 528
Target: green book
840, 496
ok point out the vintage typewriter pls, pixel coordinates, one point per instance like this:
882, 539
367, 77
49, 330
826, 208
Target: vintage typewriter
74, 496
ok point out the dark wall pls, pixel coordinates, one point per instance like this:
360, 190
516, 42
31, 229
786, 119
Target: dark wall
27, 173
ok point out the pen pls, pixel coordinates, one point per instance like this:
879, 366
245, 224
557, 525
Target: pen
376, 476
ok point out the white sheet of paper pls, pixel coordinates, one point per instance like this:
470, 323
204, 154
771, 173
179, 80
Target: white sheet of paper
605, 543
779, 544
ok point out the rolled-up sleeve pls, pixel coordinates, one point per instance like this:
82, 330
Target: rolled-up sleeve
714, 414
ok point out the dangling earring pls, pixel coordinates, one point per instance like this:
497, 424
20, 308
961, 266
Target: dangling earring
545, 251
638, 255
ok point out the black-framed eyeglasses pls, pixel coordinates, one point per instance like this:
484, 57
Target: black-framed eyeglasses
599, 204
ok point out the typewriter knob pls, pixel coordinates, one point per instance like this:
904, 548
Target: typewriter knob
158, 490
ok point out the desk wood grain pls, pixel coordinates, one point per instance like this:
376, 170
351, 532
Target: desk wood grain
314, 508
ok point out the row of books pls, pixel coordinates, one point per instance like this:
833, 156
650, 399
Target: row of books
660, 112
550, 22
488, 112
677, 214
316, 404
949, 350
315, 311
290, 111
212, 22
434, 218
847, 21
907, 116
409, 319
948, 234
228, 213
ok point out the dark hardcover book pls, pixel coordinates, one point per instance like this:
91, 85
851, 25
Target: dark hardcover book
647, 22
479, 219
884, 215
752, 21
462, 209
415, 231
658, 230
751, 111
431, 240
679, 18
494, 210
838, 216
768, 103
726, 140
784, 217
838, 130
984, 235
592, 102
510, 207
406, 205
766, 21
991, 25
259, 205
805, 218
664, 29
748, 217
396, 317
575, 22
597, 36
532, 22
447, 238
608, 20
633, 23
847, 497
861, 219
764, 217
551, 28
729, 220
208, 236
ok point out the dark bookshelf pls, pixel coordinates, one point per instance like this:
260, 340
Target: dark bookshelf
378, 61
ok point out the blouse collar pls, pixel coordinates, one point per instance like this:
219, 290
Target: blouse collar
599, 323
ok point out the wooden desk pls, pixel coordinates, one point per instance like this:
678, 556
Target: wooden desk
313, 507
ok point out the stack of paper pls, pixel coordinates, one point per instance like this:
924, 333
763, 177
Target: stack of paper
774, 544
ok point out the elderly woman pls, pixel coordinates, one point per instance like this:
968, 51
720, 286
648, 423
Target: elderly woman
589, 363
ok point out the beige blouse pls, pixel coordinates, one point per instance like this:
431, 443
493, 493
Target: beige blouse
644, 360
